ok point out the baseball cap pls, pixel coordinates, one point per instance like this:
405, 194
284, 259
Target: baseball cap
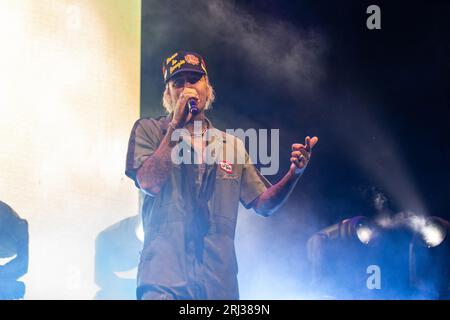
182, 61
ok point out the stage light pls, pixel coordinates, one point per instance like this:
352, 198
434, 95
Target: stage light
364, 234
434, 231
410, 250
344, 257
357, 228
429, 258
13, 253
337, 257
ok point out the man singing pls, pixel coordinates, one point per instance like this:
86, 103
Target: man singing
190, 208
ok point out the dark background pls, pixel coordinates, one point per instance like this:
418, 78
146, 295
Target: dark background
377, 99
383, 95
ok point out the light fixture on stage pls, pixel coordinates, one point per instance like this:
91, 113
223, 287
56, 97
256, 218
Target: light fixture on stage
117, 251
358, 228
365, 234
13, 253
412, 256
434, 231
337, 257
429, 259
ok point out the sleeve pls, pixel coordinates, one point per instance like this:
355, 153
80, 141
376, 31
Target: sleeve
143, 142
253, 183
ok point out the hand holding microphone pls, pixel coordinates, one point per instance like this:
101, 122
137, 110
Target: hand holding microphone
192, 106
186, 107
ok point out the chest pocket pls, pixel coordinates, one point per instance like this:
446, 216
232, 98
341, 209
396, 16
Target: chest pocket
226, 195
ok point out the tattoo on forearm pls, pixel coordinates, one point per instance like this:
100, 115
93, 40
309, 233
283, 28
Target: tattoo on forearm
156, 169
276, 195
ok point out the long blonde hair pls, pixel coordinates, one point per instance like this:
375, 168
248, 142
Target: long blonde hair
210, 97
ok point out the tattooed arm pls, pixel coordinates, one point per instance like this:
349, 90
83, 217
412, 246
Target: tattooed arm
274, 197
155, 170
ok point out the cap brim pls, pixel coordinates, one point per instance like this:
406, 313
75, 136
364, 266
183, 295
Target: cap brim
184, 70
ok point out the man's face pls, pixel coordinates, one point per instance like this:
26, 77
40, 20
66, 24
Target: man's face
189, 81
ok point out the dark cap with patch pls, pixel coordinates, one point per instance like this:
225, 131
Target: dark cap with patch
182, 61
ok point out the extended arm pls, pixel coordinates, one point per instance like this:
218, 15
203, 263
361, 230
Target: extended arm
274, 197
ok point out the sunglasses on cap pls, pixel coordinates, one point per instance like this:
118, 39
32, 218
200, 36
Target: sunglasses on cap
192, 78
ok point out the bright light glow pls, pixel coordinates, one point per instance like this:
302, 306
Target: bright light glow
140, 230
433, 235
69, 95
430, 229
4, 261
364, 234
129, 274
417, 222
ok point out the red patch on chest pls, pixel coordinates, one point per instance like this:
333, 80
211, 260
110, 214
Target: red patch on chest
227, 167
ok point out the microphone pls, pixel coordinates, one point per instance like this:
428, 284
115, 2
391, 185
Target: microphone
192, 106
